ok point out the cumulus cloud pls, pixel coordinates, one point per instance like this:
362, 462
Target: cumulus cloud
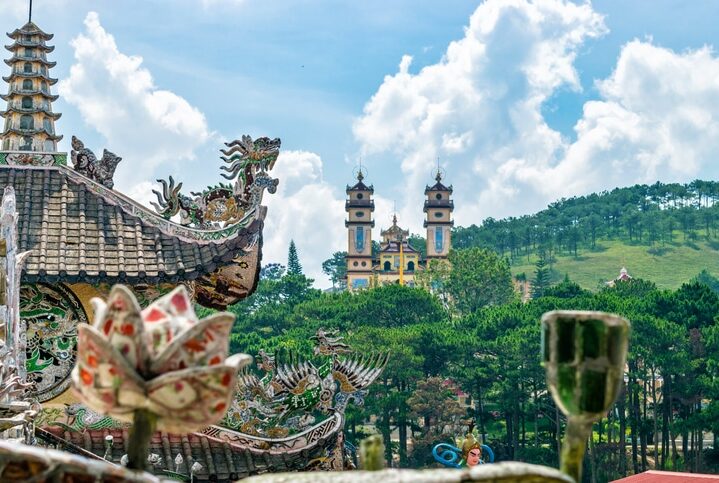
479, 110
304, 208
117, 97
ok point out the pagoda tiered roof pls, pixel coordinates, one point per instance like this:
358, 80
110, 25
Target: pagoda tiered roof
21, 92
11, 108
30, 43
29, 75
30, 29
30, 132
28, 58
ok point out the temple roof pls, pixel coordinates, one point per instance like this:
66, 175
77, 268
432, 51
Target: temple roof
29, 29
393, 247
225, 455
80, 231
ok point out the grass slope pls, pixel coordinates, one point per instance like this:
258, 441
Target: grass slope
668, 266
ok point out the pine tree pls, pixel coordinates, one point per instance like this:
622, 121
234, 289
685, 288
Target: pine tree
541, 278
293, 261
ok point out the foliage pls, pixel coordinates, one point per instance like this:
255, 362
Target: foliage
335, 268
293, 260
486, 344
479, 277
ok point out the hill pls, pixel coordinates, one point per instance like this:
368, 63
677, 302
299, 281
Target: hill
668, 267
666, 233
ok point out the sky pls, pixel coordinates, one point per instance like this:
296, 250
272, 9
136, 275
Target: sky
520, 102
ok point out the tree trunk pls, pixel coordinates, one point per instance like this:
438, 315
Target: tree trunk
623, 431
656, 417
632, 391
666, 412
402, 426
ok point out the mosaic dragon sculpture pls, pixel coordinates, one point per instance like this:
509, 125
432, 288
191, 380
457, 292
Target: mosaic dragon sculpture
86, 163
222, 205
289, 397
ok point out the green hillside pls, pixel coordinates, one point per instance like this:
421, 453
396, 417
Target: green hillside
668, 266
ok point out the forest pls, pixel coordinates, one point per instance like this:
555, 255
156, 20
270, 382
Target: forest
469, 350
644, 214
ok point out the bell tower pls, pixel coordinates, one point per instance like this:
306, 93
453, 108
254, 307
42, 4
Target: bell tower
359, 207
438, 208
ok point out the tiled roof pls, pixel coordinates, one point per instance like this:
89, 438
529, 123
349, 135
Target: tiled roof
224, 454
668, 477
79, 231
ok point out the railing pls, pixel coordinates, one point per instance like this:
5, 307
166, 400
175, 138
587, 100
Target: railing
359, 204
439, 204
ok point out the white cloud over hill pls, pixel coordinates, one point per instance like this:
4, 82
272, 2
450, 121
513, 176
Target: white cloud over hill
479, 110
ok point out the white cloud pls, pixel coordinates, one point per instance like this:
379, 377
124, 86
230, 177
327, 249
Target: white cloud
117, 96
306, 209
479, 110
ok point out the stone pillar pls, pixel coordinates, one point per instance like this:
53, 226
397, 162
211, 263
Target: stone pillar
10, 271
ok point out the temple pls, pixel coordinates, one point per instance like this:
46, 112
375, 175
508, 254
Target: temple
396, 261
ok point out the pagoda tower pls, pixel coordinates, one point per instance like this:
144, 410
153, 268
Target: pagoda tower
29, 118
438, 208
359, 207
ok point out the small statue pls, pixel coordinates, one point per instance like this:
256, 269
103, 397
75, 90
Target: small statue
471, 452
86, 163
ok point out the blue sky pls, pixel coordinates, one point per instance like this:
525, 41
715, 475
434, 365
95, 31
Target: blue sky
523, 102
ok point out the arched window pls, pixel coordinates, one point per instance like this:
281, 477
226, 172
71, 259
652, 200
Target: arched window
27, 85
387, 266
49, 145
29, 52
43, 70
27, 102
27, 122
6, 144
27, 68
410, 266
47, 125
43, 86
26, 143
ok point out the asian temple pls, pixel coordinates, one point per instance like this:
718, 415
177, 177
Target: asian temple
396, 261
68, 236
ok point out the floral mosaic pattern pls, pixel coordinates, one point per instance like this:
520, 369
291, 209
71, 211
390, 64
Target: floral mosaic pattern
162, 359
51, 314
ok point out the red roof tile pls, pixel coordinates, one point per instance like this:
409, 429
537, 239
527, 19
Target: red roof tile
668, 477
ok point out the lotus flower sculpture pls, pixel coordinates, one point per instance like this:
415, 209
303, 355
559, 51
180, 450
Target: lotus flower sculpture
160, 368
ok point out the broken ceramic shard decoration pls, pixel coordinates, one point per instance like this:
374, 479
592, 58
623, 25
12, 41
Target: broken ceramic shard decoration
162, 360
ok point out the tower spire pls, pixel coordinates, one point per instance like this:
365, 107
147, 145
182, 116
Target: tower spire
29, 16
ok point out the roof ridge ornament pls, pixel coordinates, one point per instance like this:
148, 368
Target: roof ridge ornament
248, 163
86, 163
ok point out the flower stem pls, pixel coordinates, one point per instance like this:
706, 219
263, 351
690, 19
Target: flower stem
574, 446
143, 426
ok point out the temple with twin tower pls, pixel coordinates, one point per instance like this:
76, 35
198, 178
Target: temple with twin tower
396, 261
